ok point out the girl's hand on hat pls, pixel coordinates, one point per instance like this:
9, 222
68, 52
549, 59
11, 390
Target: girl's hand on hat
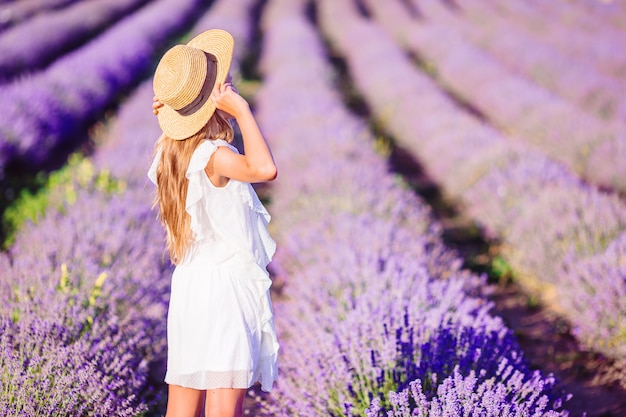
156, 105
257, 163
227, 99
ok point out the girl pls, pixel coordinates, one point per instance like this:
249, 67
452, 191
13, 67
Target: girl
220, 329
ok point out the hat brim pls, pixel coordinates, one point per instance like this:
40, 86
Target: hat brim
175, 125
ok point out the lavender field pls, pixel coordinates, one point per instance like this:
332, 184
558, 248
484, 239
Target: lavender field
513, 114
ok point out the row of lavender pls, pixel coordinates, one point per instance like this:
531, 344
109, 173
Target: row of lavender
565, 239
604, 11
595, 25
14, 12
592, 147
32, 45
53, 108
85, 290
571, 29
374, 309
578, 78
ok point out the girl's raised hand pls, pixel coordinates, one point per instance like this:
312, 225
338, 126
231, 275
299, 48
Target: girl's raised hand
227, 99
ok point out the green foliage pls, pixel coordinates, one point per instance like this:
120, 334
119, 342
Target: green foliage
57, 190
501, 269
383, 146
72, 291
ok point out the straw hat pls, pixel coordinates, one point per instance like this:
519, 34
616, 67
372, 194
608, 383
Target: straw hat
184, 80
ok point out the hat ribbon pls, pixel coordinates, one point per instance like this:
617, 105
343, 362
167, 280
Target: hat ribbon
205, 92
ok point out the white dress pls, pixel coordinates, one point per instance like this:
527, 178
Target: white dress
220, 326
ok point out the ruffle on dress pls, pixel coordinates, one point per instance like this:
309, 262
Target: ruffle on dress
247, 204
204, 362
235, 215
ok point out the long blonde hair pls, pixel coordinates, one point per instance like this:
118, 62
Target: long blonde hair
172, 184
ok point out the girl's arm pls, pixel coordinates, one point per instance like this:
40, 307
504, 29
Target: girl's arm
257, 164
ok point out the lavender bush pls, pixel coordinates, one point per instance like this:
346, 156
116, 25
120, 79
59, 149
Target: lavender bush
590, 37
13, 12
52, 368
70, 341
51, 109
542, 213
34, 44
371, 299
460, 395
591, 273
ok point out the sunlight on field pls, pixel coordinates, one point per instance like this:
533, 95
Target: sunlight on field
449, 209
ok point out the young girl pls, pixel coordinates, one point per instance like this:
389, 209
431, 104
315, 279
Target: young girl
220, 329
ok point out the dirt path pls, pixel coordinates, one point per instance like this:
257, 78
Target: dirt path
548, 345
